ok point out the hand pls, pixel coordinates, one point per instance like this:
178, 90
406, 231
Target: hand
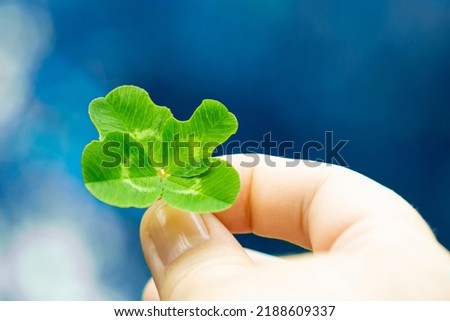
366, 241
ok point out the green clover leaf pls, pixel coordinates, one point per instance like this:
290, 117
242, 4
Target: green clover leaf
195, 139
144, 154
129, 109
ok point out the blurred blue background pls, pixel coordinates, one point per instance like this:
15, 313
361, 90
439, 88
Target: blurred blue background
376, 73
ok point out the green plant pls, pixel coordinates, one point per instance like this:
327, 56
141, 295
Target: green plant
145, 154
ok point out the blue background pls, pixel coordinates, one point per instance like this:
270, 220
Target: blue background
375, 73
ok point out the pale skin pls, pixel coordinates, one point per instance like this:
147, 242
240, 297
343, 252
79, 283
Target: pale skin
366, 241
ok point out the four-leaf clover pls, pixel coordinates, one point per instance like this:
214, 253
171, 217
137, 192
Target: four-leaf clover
144, 154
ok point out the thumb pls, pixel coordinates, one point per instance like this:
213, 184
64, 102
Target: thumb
191, 256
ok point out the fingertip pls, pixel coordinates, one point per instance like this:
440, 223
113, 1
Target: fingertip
181, 248
150, 292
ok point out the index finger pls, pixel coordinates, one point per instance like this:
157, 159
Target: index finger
312, 206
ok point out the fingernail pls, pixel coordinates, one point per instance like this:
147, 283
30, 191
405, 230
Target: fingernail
173, 232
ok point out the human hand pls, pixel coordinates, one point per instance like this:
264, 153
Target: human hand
366, 241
